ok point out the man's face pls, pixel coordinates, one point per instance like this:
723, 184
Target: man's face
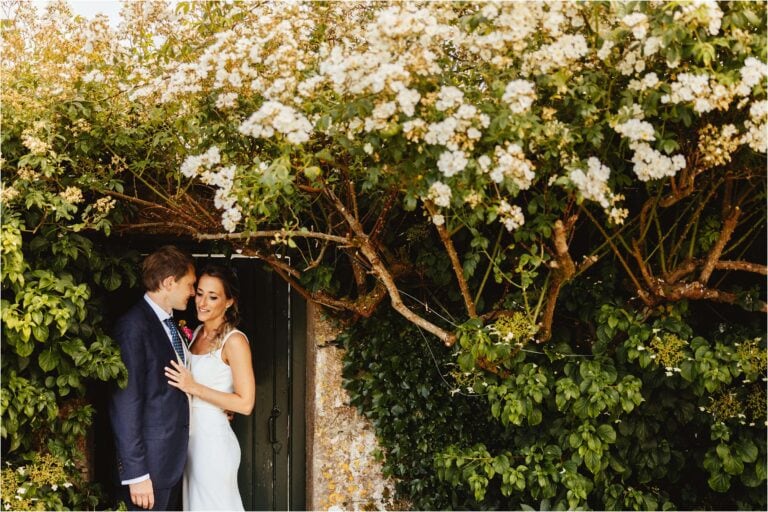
180, 291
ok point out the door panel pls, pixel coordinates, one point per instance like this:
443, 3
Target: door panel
269, 477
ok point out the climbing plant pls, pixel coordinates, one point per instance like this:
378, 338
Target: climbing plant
56, 271
647, 414
480, 167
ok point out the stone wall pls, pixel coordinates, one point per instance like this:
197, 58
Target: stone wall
342, 471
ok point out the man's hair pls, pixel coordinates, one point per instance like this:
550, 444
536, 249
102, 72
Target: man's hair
165, 262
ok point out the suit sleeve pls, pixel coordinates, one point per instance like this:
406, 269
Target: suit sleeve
126, 406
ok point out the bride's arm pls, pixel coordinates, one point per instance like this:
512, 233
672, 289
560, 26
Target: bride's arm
237, 353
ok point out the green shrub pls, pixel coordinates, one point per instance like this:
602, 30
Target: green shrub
653, 412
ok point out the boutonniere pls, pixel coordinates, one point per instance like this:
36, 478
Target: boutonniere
185, 330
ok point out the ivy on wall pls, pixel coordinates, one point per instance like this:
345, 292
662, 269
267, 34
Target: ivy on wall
392, 379
623, 410
54, 348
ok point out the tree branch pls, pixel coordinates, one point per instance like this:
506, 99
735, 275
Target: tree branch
563, 269
458, 269
697, 291
382, 220
158, 228
714, 253
378, 268
746, 266
343, 241
363, 305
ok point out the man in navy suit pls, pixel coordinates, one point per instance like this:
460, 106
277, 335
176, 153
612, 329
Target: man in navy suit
150, 419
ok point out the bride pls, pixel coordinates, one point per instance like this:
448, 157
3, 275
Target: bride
220, 378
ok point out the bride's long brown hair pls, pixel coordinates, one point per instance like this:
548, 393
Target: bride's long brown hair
231, 291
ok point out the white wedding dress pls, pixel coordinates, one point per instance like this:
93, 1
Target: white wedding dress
213, 457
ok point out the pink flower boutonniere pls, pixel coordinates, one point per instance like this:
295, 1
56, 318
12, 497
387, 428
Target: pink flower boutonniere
186, 331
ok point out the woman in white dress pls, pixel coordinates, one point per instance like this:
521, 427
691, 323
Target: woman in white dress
219, 379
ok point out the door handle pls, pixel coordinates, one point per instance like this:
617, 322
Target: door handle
272, 424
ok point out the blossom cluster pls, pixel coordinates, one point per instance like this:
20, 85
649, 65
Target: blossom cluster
566, 51
275, 117
705, 93
461, 127
519, 95
440, 194
635, 130
205, 166
701, 12
389, 71
592, 184
717, 145
511, 215
650, 164
509, 162
72, 195
756, 127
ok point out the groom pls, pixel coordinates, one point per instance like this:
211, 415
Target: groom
150, 419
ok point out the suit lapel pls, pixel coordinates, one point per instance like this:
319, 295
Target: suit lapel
161, 343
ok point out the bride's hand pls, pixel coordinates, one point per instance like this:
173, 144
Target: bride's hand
180, 377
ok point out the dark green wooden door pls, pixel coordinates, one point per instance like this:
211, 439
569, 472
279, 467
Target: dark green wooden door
272, 467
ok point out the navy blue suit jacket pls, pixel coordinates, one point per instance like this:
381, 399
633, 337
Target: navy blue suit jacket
150, 418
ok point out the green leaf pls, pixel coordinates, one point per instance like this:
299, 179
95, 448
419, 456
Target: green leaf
746, 450
607, 433
25, 349
534, 417
719, 482
592, 461
733, 466
48, 360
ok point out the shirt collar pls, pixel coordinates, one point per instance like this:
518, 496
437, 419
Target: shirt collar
160, 312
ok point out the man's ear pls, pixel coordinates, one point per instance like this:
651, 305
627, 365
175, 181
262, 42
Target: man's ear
167, 283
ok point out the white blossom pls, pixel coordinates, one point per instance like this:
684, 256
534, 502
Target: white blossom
605, 50
635, 129
226, 100
274, 116
519, 95
230, 218
566, 51
449, 97
593, 184
512, 164
510, 215
452, 162
752, 73
94, 75
705, 94
755, 135
650, 164
702, 10
440, 194
408, 99
652, 46
638, 23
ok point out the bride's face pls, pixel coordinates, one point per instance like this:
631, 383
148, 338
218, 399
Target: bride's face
210, 300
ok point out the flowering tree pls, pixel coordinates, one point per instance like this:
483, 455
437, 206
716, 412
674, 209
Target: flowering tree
480, 154
322, 128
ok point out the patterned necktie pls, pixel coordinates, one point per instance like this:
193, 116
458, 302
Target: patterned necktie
175, 339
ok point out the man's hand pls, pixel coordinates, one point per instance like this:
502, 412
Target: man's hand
142, 494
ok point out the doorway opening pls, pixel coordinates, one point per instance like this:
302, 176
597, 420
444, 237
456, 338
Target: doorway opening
272, 474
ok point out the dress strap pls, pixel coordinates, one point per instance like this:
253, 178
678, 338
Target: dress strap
230, 333
194, 335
